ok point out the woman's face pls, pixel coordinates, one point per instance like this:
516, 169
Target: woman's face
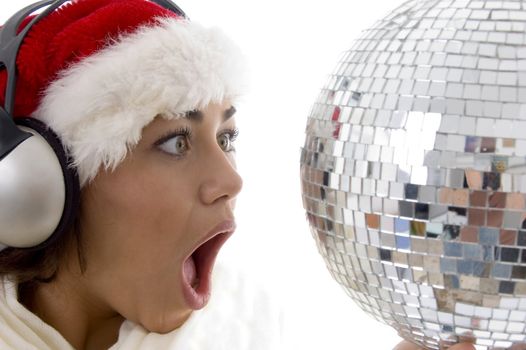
144, 224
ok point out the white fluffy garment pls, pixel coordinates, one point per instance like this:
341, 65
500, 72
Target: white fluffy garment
99, 106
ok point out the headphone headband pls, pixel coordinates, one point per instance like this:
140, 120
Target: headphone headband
169, 5
10, 43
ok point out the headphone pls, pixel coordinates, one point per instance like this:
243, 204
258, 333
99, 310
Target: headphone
39, 190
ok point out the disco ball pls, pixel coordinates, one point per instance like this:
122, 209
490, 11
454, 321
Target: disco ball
414, 172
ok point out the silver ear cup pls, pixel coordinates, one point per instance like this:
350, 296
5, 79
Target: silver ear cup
32, 193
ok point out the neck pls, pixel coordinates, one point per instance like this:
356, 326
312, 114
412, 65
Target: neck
68, 306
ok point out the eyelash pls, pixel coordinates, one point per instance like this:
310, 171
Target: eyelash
233, 133
187, 133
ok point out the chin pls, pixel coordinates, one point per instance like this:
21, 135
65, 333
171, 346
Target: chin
166, 323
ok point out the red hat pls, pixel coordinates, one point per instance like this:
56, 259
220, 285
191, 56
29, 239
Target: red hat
98, 71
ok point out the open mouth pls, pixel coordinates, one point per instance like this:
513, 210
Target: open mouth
197, 271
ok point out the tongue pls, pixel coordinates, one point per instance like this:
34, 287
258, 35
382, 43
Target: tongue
189, 271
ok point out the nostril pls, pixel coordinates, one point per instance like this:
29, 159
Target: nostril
220, 184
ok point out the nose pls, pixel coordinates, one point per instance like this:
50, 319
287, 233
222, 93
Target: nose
220, 179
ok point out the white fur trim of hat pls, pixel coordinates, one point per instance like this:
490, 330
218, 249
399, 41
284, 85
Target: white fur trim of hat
100, 105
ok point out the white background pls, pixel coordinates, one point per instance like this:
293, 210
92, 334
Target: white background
291, 46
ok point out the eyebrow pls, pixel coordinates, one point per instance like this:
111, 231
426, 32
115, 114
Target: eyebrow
197, 115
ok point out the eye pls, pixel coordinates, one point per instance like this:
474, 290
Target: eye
226, 140
176, 143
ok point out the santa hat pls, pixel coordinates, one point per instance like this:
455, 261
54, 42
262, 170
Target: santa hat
98, 71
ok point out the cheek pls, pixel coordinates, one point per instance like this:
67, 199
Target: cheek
136, 218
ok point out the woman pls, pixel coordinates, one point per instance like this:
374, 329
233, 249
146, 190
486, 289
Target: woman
144, 101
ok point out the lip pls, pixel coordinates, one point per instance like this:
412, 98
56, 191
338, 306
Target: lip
205, 252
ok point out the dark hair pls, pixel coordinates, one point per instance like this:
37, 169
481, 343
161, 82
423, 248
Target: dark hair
28, 266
